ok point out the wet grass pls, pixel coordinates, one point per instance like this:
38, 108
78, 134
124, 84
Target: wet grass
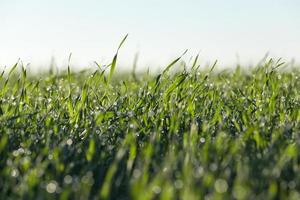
183, 134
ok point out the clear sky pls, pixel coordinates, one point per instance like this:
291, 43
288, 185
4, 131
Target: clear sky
36, 30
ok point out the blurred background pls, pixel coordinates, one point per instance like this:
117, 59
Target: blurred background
231, 31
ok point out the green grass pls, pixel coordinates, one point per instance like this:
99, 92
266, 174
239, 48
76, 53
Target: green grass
188, 133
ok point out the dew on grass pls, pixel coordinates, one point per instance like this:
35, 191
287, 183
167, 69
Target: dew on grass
202, 140
69, 142
68, 179
156, 189
51, 187
15, 173
221, 185
151, 137
178, 184
137, 173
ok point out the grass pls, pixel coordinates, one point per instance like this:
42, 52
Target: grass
189, 133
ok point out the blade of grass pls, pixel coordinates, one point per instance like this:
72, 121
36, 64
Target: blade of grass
114, 61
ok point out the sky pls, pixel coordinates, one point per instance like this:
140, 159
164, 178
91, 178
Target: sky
230, 31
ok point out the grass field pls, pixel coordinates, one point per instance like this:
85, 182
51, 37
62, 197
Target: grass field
187, 133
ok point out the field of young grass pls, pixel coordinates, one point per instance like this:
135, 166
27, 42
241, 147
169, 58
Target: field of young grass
188, 133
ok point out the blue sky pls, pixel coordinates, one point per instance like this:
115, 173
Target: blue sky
36, 30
